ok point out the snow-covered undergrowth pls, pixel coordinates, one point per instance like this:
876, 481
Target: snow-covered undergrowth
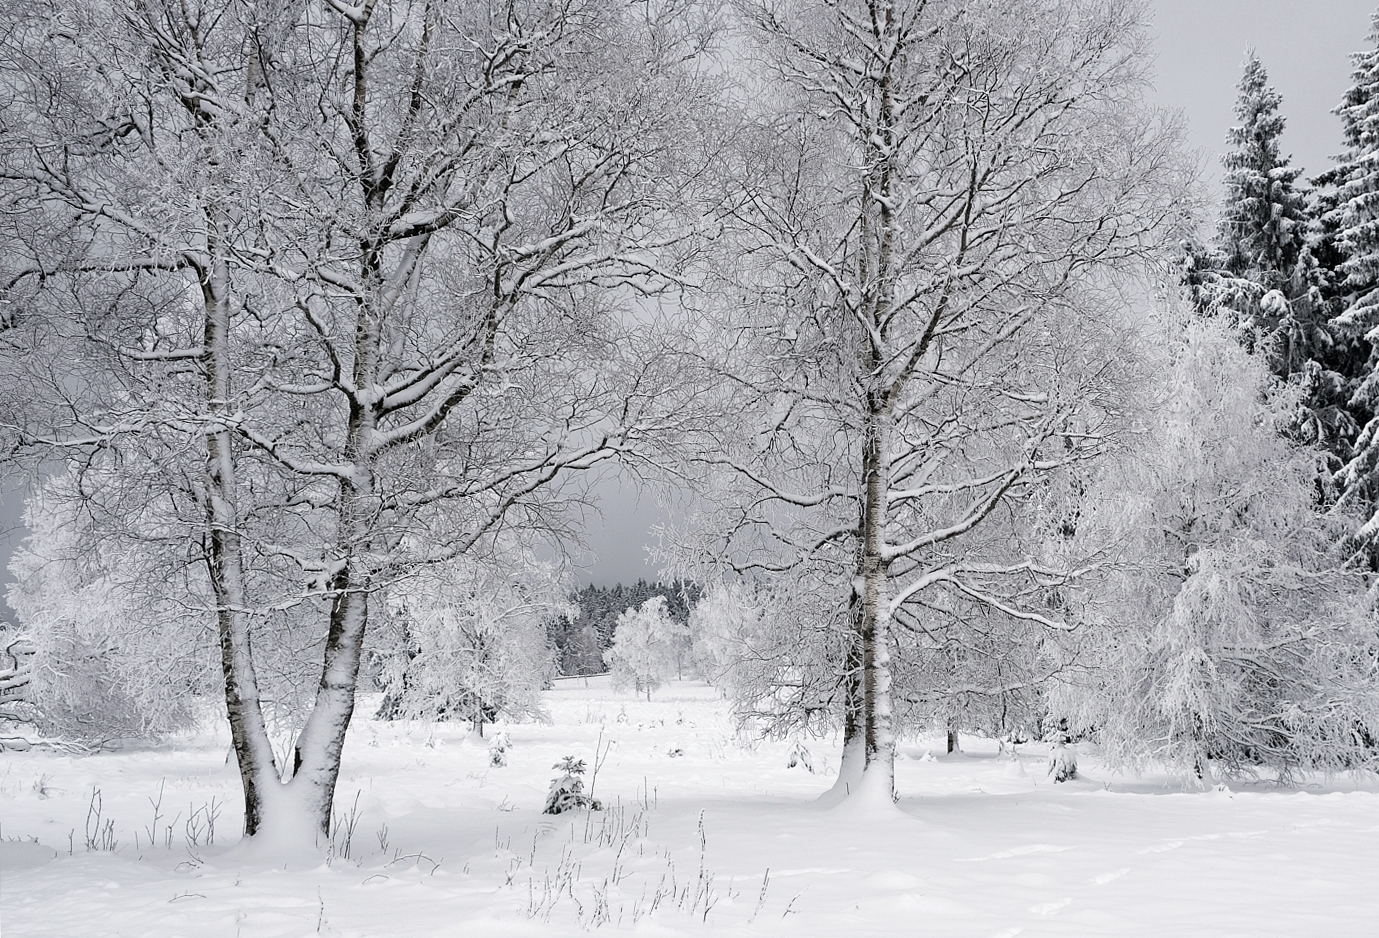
699, 833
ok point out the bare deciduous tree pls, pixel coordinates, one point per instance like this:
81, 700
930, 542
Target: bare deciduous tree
366, 260
927, 234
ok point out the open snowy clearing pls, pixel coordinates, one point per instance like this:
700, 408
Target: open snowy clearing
444, 844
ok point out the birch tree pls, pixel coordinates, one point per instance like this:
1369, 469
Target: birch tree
931, 217
648, 647
466, 640
361, 257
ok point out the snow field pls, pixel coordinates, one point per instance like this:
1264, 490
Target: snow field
700, 834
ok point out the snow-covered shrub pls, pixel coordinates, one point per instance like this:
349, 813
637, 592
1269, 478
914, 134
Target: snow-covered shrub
567, 789
467, 641
648, 647
1063, 757
1063, 762
799, 755
498, 750
122, 616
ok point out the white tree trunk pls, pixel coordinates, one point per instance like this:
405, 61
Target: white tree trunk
868, 764
257, 767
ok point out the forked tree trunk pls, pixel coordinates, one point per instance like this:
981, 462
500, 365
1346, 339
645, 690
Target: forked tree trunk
296, 808
316, 756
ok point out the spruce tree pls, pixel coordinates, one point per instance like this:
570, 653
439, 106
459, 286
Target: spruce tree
1261, 275
1355, 179
1264, 218
1351, 224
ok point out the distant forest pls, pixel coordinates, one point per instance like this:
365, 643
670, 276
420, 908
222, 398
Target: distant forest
581, 640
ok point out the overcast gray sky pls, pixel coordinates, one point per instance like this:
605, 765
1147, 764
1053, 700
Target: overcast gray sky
1304, 45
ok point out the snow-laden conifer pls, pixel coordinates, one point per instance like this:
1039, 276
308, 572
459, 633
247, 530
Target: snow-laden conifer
1261, 275
1356, 178
1352, 225
1264, 217
566, 792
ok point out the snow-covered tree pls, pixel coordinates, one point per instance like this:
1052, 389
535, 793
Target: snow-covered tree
586, 633
117, 616
18, 713
978, 669
355, 265
566, 792
649, 647
1351, 226
1264, 215
1261, 233
719, 626
775, 649
1356, 177
922, 227
1261, 274
467, 640
1232, 637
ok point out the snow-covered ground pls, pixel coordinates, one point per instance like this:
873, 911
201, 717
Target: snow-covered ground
699, 833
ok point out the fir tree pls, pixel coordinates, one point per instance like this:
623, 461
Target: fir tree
1264, 218
1269, 269
1351, 225
1356, 181
1261, 275
1249, 274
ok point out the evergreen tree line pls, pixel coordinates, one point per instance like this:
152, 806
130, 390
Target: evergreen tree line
582, 636
1293, 270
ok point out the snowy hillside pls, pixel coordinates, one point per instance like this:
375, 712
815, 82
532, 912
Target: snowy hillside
699, 834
